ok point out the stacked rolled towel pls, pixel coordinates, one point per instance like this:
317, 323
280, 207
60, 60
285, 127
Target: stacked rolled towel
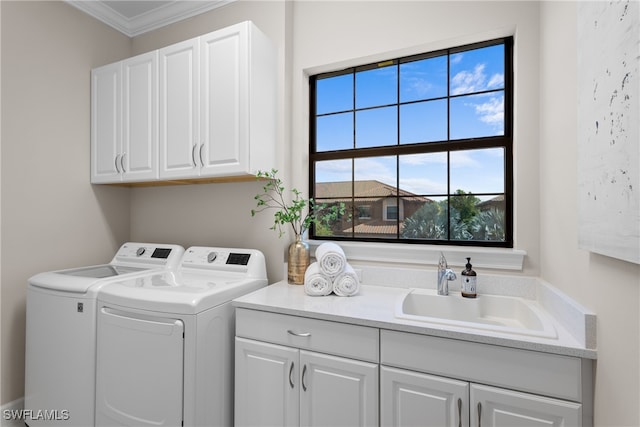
331, 259
331, 273
316, 283
346, 284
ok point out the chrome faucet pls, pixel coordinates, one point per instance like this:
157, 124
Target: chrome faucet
444, 275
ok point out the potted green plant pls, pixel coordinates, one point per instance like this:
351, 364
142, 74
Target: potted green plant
298, 212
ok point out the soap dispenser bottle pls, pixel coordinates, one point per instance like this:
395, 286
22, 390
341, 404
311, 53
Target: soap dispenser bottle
469, 281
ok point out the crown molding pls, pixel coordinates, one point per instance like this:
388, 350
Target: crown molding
156, 18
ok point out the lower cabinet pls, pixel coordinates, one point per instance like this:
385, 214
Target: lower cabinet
299, 371
415, 399
288, 385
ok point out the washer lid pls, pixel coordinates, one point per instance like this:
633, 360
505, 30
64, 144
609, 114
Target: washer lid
79, 280
130, 260
101, 271
180, 293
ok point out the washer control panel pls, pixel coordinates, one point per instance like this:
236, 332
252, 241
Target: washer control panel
223, 259
149, 253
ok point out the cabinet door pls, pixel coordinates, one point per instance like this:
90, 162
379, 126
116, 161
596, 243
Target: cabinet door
266, 384
497, 407
413, 399
106, 138
139, 157
224, 101
179, 87
337, 392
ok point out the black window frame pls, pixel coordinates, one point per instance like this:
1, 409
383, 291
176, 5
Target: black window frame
504, 141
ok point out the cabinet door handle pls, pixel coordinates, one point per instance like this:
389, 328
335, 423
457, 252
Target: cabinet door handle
459, 412
479, 414
200, 155
304, 372
115, 163
296, 334
290, 374
122, 162
193, 155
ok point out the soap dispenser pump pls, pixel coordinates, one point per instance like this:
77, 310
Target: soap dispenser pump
469, 281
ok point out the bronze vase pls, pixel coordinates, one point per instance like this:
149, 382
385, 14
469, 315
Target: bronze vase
298, 261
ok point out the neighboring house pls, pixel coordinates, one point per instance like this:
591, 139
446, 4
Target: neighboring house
497, 203
379, 209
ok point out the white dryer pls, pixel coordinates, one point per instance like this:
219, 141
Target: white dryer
165, 341
60, 348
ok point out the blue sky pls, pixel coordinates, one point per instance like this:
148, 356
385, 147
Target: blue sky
424, 120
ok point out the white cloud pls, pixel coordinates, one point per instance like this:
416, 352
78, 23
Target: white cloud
492, 112
496, 81
466, 82
423, 159
423, 186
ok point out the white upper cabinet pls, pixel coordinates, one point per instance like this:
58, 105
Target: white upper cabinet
106, 123
139, 157
204, 108
179, 111
124, 121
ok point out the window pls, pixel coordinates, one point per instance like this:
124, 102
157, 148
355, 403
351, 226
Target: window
419, 148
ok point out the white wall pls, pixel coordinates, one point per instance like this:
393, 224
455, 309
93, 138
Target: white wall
51, 216
609, 287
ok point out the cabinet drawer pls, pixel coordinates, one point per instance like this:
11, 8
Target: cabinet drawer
340, 339
530, 371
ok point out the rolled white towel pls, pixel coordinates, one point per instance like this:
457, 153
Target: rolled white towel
316, 283
331, 259
346, 284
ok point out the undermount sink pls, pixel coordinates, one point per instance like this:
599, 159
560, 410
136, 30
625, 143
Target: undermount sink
503, 314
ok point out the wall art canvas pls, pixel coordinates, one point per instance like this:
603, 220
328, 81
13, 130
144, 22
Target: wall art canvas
608, 128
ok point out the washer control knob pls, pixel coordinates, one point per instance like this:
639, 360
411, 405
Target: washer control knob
212, 257
140, 251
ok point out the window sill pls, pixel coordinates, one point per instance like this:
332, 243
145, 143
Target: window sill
390, 253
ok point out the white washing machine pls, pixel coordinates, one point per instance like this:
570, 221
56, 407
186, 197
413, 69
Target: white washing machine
60, 358
165, 341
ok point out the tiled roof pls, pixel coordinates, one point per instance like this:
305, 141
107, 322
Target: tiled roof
378, 227
367, 190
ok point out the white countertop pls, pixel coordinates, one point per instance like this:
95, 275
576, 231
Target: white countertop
375, 306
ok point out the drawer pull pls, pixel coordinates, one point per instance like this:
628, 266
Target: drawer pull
290, 373
479, 414
304, 372
296, 334
459, 412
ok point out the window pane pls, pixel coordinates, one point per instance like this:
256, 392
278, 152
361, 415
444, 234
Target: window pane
334, 94
333, 226
478, 171
392, 212
375, 178
425, 219
423, 122
377, 127
475, 116
377, 87
424, 173
424, 79
477, 70
333, 179
334, 132
473, 218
